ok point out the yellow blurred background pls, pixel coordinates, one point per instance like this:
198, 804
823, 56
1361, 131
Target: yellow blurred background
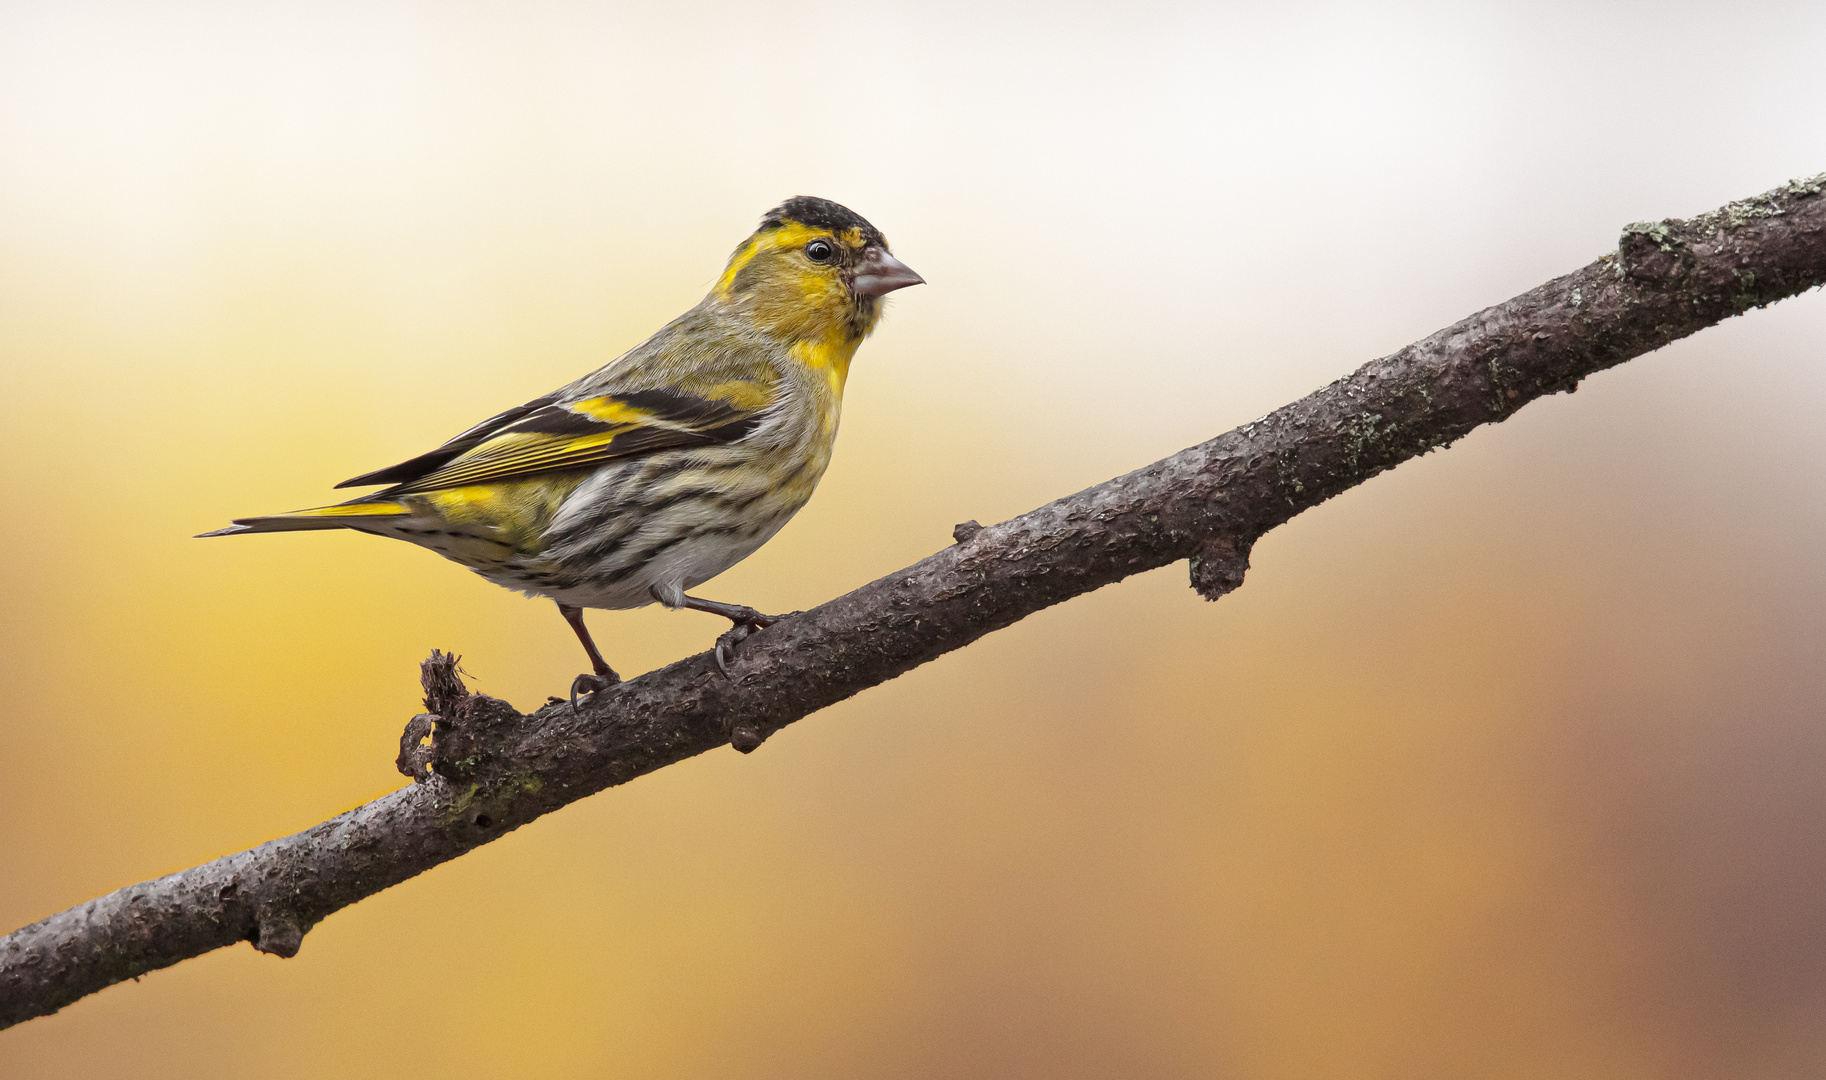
1510, 763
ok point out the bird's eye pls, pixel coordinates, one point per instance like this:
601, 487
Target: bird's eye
820, 251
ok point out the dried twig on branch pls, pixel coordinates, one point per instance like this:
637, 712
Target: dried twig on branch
482, 769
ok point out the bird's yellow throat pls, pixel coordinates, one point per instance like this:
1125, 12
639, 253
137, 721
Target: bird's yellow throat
791, 301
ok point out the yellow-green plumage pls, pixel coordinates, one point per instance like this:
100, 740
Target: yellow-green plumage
672, 463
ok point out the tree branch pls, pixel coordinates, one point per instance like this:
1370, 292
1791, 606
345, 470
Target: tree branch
481, 769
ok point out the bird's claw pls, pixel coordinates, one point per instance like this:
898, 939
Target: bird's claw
590, 684
734, 636
740, 632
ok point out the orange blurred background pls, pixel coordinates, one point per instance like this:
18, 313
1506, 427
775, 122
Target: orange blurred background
1510, 763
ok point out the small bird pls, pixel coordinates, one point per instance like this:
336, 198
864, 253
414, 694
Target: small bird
674, 462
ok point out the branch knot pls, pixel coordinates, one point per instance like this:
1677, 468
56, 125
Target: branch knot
1651, 252
279, 933
1220, 564
456, 738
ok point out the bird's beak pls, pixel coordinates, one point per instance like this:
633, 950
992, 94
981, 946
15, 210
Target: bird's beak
881, 273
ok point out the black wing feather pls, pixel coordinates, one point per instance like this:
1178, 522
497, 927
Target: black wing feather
564, 438
430, 462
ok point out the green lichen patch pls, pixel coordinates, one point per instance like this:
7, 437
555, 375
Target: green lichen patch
1657, 232
1733, 215
485, 805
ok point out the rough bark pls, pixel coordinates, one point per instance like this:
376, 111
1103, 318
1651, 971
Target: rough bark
481, 769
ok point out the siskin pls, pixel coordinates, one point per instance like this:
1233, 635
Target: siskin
661, 470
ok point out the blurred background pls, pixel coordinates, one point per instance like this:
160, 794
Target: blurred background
1509, 763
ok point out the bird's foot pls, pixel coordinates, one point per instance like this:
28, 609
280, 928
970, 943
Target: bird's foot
590, 684
747, 620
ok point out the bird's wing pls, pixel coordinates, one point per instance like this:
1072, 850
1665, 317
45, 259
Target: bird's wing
548, 434
450, 451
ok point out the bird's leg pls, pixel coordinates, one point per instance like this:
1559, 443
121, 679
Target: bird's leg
604, 676
746, 619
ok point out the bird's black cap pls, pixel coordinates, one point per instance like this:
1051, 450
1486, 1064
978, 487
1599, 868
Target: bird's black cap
822, 214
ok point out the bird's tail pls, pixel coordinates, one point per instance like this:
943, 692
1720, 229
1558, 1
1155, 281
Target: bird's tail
343, 516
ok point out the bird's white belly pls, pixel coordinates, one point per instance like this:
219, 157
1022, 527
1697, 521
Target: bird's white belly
667, 576
644, 531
